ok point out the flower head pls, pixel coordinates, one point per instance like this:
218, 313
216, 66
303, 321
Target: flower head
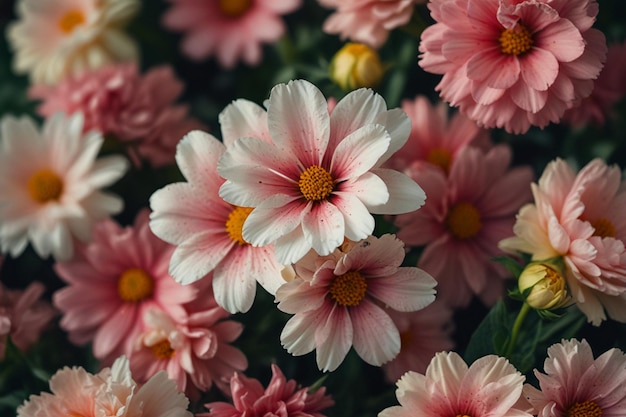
546, 286
356, 65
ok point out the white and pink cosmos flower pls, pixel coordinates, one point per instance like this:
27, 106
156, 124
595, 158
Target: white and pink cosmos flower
318, 178
513, 64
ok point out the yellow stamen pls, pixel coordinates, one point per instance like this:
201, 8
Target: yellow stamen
584, 409
135, 285
604, 228
162, 349
234, 8
463, 220
234, 223
516, 41
348, 289
45, 185
70, 20
316, 183
440, 157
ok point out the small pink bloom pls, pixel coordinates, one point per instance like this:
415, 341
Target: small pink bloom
513, 64
231, 30
339, 301
465, 216
282, 397
576, 384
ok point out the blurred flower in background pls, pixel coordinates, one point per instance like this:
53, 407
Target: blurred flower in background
356, 65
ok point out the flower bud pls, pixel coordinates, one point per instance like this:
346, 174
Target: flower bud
356, 65
548, 290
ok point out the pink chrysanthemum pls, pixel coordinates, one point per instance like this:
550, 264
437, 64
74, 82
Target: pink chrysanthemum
491, 386
23, 316
318, 178
465, 216
112, 282
282, 397
513, 64
367, 21
338, 300
577, 385
580, 217
231, 30
111, 392
137, 110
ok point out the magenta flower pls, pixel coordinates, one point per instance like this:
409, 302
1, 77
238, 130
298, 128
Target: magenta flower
513, 64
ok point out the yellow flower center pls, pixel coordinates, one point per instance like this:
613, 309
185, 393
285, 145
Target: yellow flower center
604, 228
584, 409
463, 220
348, 289
162, 350
70, 20
45, 185
234, 223
440, 157
516, 41
235, 8
135, 285
316, 183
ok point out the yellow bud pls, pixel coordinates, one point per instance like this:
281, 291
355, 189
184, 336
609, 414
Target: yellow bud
356, 65
548, 290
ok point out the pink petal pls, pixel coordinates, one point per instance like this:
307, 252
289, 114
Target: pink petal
494, 68
539, 69
358, 222
274, 218
409, 289
334, 339
324, 227
376, 337
562, 39
359, 151
405, 195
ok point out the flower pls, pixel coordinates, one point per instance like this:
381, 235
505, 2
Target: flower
76, 392
232, 30
207, 230
576, 385
55, 38
23, 316
356, 65
490, 386
318, 179
338, 300
465, 216
513, 64
137, 110
113, 281
282, 397
545, 284
56, 196
579, 217
367, 21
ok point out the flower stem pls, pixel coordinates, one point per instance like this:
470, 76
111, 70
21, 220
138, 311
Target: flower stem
516, 327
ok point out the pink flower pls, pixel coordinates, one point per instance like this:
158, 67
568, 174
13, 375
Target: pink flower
112, 282
23, 316
513, 64
137, 110
340, 300
579, 217
317, 179
282, 397
576, 384
465, 216
367, 21
422, 334
491, 386
231, 30
111, 392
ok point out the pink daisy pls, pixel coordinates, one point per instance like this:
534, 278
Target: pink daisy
112, 282
491, 386
465, 216
339, 301
580, 217
282, 397
577, 385
231, 30
318, 178
513, 64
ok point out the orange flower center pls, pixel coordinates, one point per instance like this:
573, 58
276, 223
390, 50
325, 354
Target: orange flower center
234, 224
516, 41
70, 20
440, 157
235, 8
463, 220
316, 183
584, 409
162, 349
45, 185
135, 285
604, 228
463, 415
348, 289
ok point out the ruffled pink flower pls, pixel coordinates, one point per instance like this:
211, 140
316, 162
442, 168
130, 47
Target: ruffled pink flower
465, 216
580, 217
230, 30
491, 386
318, 177
112, 282
367, 21
576, 384
137, 110
422, 334
282, 397
339, 301
513, 64
23, 316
